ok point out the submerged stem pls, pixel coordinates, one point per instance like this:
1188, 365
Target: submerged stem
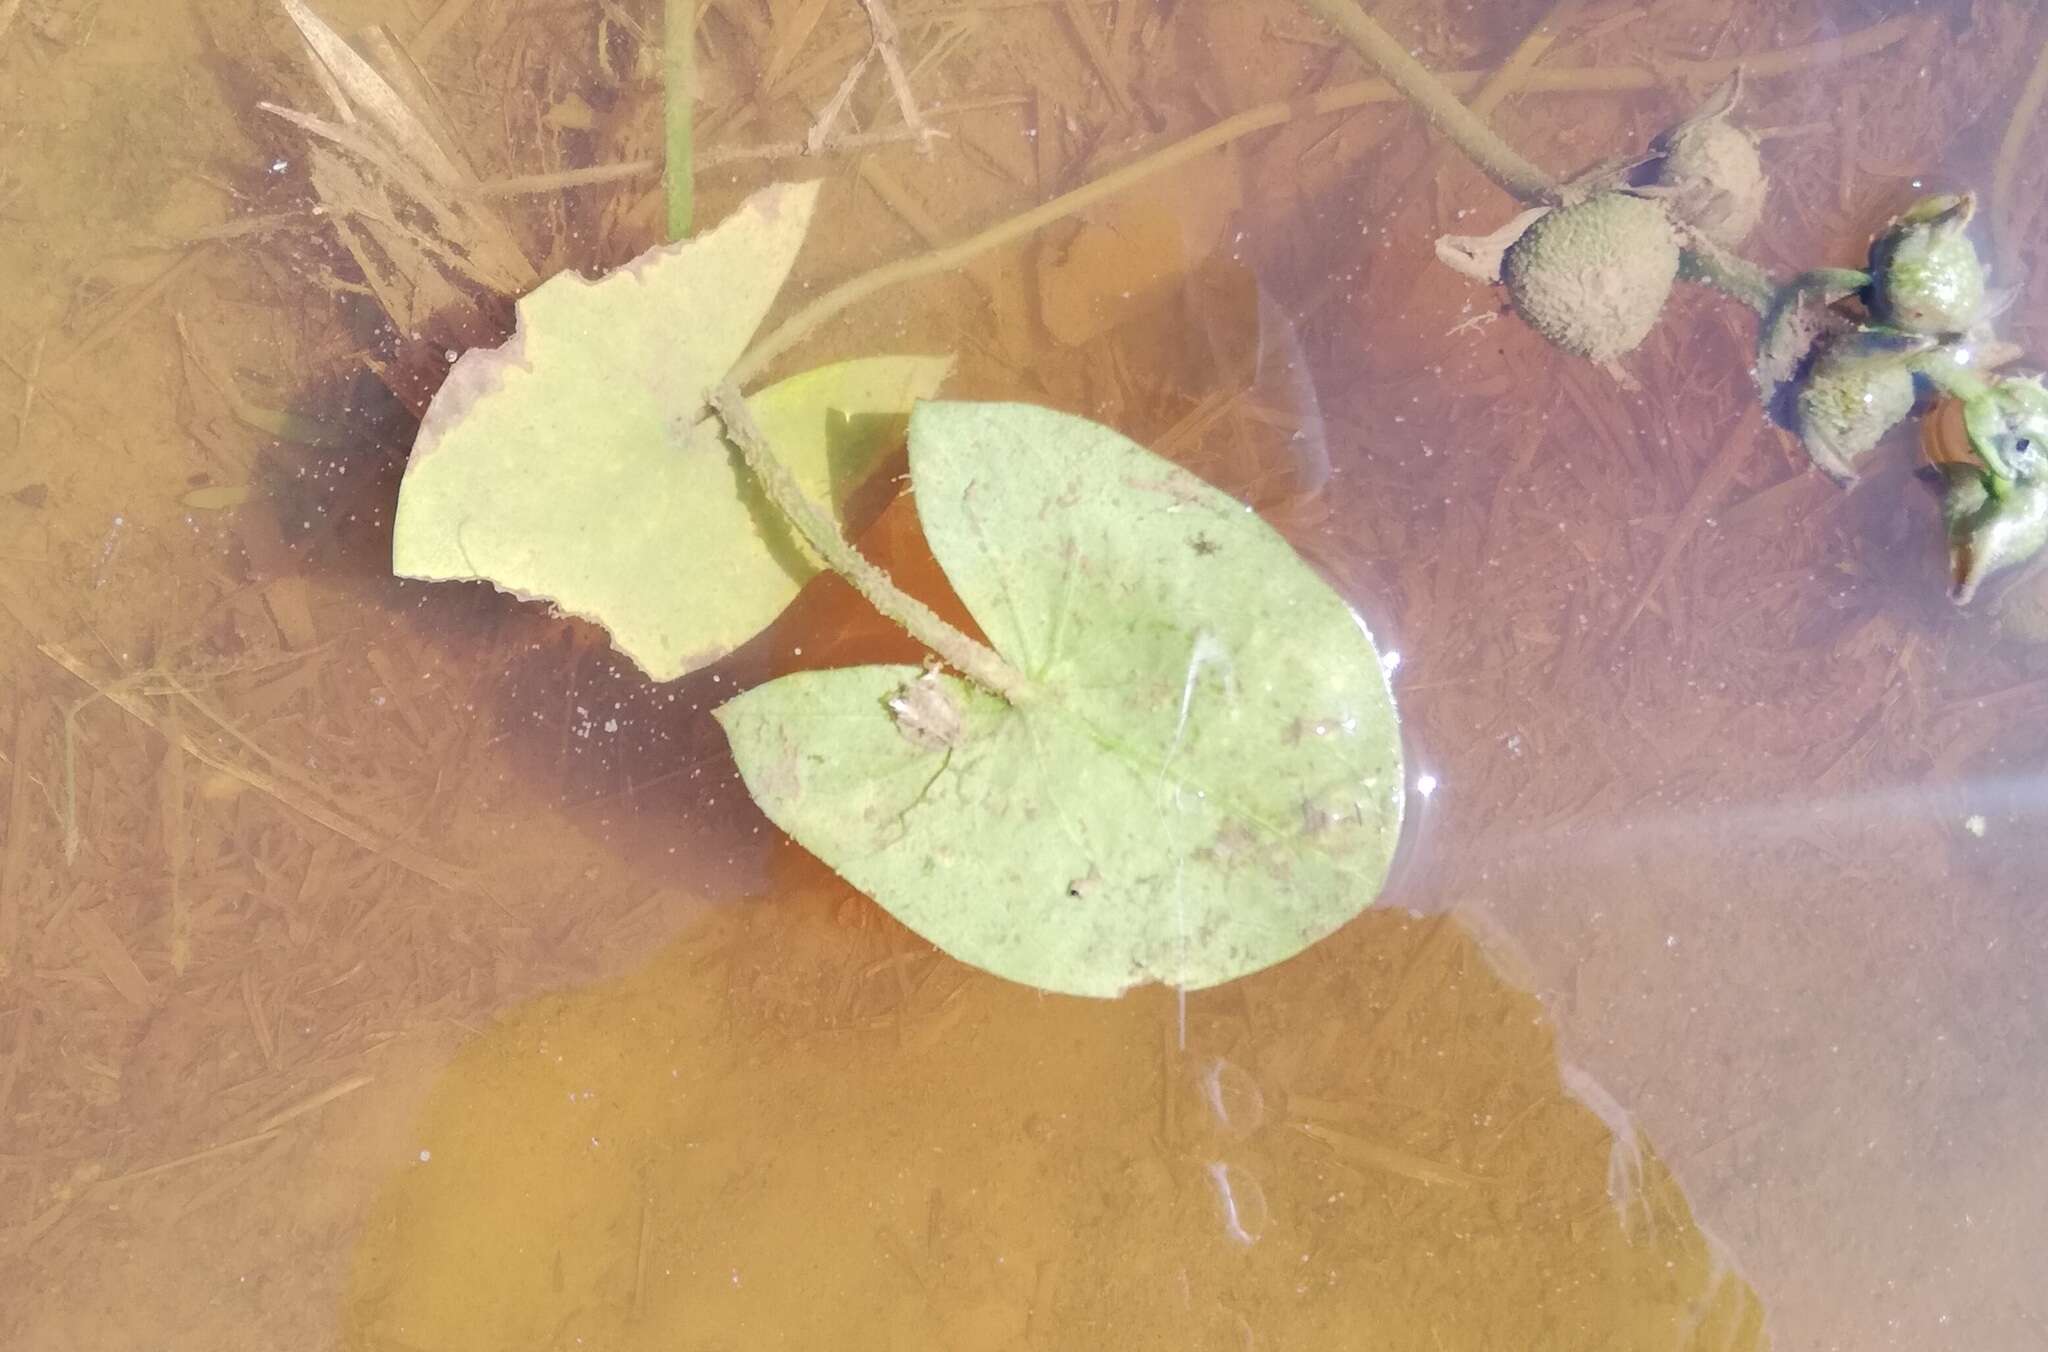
1499, 161
1729, 273
679, 80
948, 258
978, 662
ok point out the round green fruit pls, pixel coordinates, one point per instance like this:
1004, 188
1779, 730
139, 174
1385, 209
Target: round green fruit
1592, 277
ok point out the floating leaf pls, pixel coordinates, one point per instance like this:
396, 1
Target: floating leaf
1208, 781
575, 463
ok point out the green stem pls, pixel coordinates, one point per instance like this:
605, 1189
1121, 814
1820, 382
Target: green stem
978, 662
1729, 273
951, 257
679, 81
1951, 377
1497, 159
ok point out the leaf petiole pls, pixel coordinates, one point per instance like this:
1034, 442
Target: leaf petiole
974, 660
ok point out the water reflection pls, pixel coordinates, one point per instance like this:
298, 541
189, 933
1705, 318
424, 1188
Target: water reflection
1233, 1096
896, 1151
1241, 1200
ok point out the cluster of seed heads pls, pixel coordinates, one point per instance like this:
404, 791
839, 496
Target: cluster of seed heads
1844, 355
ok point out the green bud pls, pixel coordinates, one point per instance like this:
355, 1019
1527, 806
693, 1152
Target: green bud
1927, 277
1858, 389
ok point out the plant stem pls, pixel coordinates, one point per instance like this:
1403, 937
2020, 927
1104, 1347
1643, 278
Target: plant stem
1337, 99
978, 662
1730, 273
1945, 373
679, 81
1499, 161
948, 258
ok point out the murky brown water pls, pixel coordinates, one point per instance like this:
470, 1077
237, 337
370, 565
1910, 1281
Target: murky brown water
391, 966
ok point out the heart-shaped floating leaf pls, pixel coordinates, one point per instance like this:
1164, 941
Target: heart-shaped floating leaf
1207, 781
575, 463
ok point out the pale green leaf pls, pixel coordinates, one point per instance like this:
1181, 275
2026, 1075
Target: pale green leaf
1210, 781
575, 463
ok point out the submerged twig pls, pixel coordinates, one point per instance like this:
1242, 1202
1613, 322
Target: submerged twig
1701, 501
437, 27
1514, 72
67, 802
821, 126
10, 1068
312, 1103
882, 43
1360, 1151
171, 823
789, 150
790, 37
890, 49
28, 394
1096, 48
978, 662
14, 850
297, 798
196, 1157
135, 304
521, 185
